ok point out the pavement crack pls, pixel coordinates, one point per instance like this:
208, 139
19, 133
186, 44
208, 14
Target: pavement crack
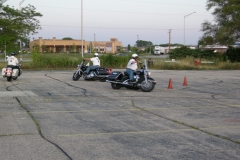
40, 131
85, 91
187, 125
15, 85
12, 135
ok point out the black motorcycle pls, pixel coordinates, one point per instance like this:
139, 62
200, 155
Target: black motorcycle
142, 76
95, 74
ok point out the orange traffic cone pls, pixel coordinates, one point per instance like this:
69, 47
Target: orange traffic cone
170, 84
185, 81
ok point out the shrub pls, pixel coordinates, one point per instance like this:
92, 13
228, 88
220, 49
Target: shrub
233, 54
53, 61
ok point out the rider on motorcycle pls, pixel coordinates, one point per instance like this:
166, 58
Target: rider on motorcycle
132, 67
13, 62
96, 63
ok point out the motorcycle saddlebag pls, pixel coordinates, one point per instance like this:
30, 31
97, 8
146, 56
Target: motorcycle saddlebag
114, 76
3, 71
15, 72
103, 71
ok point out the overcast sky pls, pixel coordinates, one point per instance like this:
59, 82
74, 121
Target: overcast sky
127, 20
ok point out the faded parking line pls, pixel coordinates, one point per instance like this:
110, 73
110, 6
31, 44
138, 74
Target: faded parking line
143, 132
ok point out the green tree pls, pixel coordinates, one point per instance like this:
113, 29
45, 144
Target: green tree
141, 43
208, 40
74, 48
17, 25
44, 48
226, 29
166, 45
67, 38
129, 47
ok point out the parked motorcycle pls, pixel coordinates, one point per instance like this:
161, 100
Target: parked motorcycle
95, 74
11, 73
142, 76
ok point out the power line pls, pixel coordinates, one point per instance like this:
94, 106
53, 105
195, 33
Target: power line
160, 3
123, 11
118, 28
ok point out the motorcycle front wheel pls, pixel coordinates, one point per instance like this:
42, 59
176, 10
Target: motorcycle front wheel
147, 86
76, 76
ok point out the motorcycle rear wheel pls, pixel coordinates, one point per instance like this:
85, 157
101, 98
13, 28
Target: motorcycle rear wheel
76, 76
102, 79
9, 79
116, 86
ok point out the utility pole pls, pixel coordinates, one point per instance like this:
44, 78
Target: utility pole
184, 24
94, 43
82, 26
5, 52
20, 39
169, 43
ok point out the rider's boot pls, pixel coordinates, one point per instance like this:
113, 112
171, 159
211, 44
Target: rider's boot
85, 73
19, 72
133, 81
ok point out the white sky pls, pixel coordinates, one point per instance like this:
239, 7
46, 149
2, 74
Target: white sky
127, 20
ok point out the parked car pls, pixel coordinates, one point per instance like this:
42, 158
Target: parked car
121, 54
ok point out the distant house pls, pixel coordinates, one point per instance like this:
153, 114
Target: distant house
237, 45
216, 48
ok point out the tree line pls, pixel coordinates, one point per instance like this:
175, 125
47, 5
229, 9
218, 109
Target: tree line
17, 25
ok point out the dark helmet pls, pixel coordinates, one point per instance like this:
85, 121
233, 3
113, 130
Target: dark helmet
13, 54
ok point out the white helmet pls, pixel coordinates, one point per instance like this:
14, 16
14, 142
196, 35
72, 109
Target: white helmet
134, 55
96, 54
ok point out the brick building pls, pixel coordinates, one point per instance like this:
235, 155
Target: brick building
66, 46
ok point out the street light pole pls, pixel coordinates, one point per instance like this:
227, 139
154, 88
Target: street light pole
20, 39
5, 52
137, 40
184, 24
82, 25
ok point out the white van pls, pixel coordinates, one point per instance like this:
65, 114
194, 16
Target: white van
159, 50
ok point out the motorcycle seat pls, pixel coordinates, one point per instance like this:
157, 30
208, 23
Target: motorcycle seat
126, 74
10, 66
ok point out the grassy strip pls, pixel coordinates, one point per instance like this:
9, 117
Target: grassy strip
70, 61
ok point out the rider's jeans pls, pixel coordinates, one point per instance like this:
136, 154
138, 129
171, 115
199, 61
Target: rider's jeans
130, 72
91, 68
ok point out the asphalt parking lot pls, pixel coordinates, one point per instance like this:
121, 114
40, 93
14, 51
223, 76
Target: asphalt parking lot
46, 115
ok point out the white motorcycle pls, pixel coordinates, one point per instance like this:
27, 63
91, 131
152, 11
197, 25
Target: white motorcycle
11, 73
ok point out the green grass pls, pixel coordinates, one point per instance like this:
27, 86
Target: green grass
55, 61
188, 64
